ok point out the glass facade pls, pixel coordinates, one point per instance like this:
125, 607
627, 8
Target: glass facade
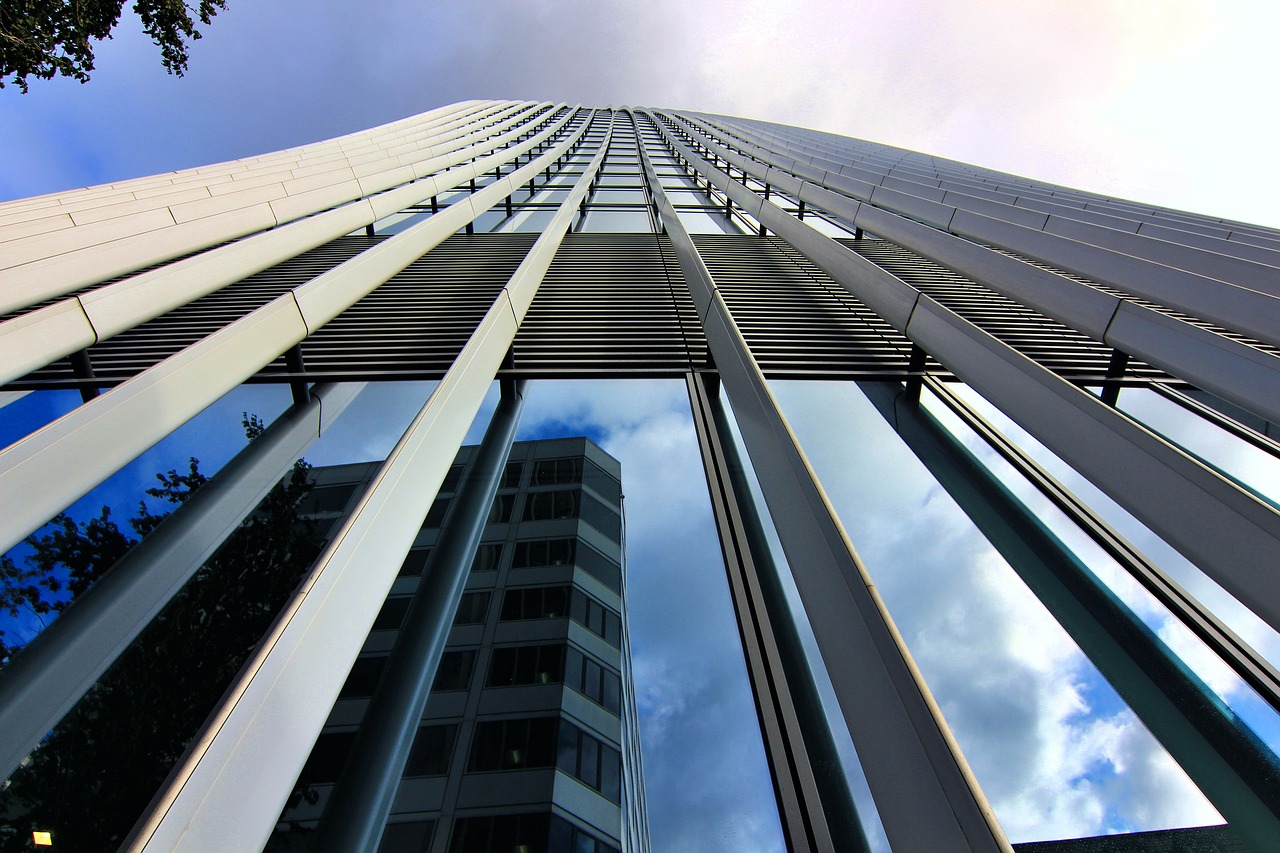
499, 722
998, 456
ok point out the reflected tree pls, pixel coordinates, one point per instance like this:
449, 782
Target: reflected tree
95, 773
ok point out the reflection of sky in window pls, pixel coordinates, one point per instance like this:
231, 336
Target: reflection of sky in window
616, 221
1251, 466
606, 196
700, 222
1227, 686
1239, 618
211, 437
629, 180
1056, 750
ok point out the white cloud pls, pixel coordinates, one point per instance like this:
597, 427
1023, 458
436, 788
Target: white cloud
1054, 748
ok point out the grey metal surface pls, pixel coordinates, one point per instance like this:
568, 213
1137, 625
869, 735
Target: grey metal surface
1228, 532
1230, 765
810, 785
1245, 302
1223, 365
356, 813
924, 791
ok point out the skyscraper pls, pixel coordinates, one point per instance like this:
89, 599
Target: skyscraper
525, 241
529, 682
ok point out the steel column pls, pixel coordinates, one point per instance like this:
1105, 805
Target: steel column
1222, 755
64, 660
814, 803
924, 791
230, 787
356, 814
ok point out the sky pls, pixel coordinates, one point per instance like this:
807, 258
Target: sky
1160, 100
1167, 102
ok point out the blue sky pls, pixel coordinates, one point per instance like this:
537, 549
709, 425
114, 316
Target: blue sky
1165, 102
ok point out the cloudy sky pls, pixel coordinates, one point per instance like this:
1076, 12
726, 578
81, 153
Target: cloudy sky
1166, 102
1162, 100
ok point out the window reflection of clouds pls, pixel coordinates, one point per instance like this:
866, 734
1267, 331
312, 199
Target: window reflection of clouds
980, 636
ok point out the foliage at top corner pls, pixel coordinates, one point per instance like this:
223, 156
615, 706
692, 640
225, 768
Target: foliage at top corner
47, 38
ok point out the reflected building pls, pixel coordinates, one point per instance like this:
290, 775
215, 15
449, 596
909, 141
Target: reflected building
529, 683
995, 322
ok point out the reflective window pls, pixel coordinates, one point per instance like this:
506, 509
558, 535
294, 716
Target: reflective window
513, 744
544, 552
535, 603
488, 556
526, 833
511, 666
616, 221
549, 472
407, 837
432, 748
601, 517
593, 763
597, 618
543, 506
593, 680
700, 222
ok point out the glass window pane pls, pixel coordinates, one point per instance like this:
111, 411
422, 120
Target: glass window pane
616, 221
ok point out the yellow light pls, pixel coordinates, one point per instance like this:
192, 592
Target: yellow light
42, 839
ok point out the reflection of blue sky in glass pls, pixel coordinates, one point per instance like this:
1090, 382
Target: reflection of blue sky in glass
1055, 748
1057, 752
212, 438
1250, 466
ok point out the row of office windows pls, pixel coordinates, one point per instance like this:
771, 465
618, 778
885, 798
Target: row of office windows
326, 499
549, 472
497, 745
532, 554
538, 832
556, 663
429, 755
527, 833
542, 506
509, 666
528, 744
555, 602
539, 602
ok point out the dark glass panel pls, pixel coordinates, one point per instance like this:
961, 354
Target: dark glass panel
500, 512
451, 479
602, 518
599, 567
412, 837
435, 515
431, 751
601, 483
488, 557
473, 608
327, 758
414, 562
542, 506
511, 475
327, 499
391, 616
455, 670
364, 677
